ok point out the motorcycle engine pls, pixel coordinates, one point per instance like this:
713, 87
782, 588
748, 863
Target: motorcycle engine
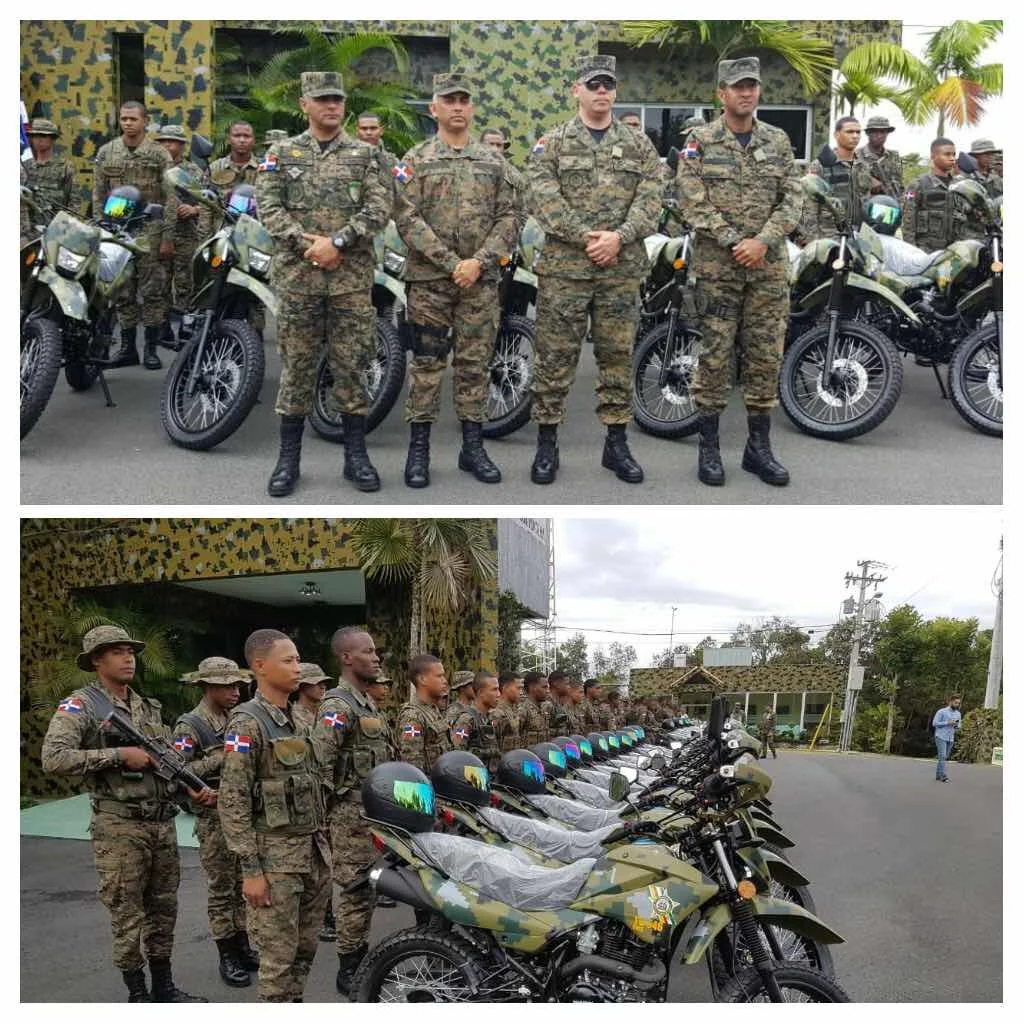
613, 942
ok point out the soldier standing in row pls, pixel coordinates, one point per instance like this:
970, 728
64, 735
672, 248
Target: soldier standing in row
461, 690
272, 815
474, 730
533, 720
616, 713
767, 730
506, 712
134, 842
132, 159
239, 166
52, 177
884, 164
455, 210
587, 708
313, 682
495, 139
984, 152
199, 738
323, 195
738, 184
562, 719
934, 217
596, 189
370, 130
423, 734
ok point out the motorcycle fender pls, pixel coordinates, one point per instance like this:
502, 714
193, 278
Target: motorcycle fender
704, 934
70, 294
857, 283
762, 817
396, 287
524, 276
773, 835
982, 295
794, 918
781, 870
258, 288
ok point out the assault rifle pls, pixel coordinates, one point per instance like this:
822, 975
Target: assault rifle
168, 764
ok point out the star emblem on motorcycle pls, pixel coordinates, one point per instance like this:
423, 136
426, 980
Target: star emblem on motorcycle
662, 903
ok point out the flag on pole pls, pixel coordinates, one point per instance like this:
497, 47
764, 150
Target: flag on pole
26, 149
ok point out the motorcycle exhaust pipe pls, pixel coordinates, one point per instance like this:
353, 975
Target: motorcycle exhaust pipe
651, 974
400, 887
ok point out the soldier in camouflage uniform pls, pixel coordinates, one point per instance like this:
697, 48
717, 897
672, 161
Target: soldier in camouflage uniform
566, 694
533, 720
239, 166
370, 130
380, 691
884, 164
460, 695
455, 210
596, 189
738, 187
313, 682
474, 730
135, 160
133, 837
52, 177
615, 714
587, 708
273, 817
354, 738
984, 152
322, 196
495, 139
505, 715
934, 217
423, 734
199, 738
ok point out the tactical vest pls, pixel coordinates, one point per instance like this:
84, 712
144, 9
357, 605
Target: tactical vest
210, 740
507, 719
940, 216
840, 179
483, 740
288, 799
564, 721
533, 726
368, 746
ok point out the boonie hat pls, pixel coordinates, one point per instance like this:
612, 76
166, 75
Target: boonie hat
461, 679
171, 132
309, 672
41, 126
983, 146
217, 672
878, 124
104, 636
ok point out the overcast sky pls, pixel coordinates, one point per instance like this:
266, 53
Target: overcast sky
726, 565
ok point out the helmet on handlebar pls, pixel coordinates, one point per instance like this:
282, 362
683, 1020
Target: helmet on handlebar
569, 747
123, 204
586, 750
242, 199
461, 777
399, 794
626, 739
522, 770
599, 745
553, 757
615, 745
883, 213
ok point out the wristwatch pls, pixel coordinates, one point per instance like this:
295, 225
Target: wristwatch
338, 241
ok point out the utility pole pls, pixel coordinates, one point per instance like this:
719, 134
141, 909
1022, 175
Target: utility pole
671, 636
855, 673
995, 658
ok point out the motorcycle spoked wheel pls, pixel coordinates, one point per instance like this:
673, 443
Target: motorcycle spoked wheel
797, 950
669, 411
41, 353
230, 376
384, 380
798, 985
798, 894
974, 381
420, 965
869, 379
511, 373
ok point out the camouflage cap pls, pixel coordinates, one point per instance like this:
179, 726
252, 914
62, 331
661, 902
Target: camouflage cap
690, 123
41, 126
172, 132
322, 83
461, 679
104, 636
274, 135
310, 673
878, 124
983, 146
452, 81
595, 65
732, 71
217, 672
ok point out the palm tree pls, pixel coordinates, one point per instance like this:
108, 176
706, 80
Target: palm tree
810, 57
862, 90
950, 81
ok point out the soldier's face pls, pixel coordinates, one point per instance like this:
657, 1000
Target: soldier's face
173, 146
984, 161
280, 668
43, 144
116, 663
489, 694
511, 691
848, 137
575, 694
944, 159
222, 697
241, 140
361, 657
325, 113
369, 130
434, 682
495, 142
633, 120
453, 112
741, 98
313, 693
540, 691
133, 124
596, 96
594, 694
378, 692
877, 137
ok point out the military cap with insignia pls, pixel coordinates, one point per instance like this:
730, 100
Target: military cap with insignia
317, 84
595, 66
732, 71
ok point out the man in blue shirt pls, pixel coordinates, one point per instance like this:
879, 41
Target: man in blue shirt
945, 723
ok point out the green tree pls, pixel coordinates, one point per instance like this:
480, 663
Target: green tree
667, 658
776, 639
860, 89
511, 616
615, 663
571, 656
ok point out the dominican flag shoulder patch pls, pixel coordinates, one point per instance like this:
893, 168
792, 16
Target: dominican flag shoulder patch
236, 743
183, 744
70, 706
909, 196
269, 162
335, 720
402, 173
411, 731
538, 146
461, 734
691, 150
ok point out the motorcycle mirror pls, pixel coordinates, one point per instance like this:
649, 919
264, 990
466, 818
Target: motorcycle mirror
201, 149
676, 745
153, 211
827, 156
966, 163
618, 786
657, 763
716, 721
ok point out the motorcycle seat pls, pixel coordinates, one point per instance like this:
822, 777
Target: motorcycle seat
566, 845
596, 796
905, 259
573, 813
498, 874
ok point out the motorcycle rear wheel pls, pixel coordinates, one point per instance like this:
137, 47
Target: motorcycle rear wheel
870, 381
41, 351
510, 375
798, 985
974, 381
667, 411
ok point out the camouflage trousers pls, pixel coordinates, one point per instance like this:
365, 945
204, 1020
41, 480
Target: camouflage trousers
562, 308
746, 309
225, 904
178, 276
287, 932
350, 852
473, 313
148, 283
304, 323
768, 740
138, 868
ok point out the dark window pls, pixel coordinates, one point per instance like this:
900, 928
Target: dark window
129, 54
782, 709
794, 122
425, 122
815, 709
663, 125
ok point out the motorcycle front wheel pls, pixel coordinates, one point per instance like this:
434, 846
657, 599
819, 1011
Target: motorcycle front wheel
41, 345
796, 950
228, 383
798, 985
974, 381
384, 379
667, 411
511, 373
865, 381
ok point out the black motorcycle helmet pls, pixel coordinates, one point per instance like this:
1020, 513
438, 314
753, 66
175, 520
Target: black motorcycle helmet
461, 777
553, 757
615, 745
883, 213
599, 744
399, 794
586, 750
626, 739
569, 747
242, 199
522, 770
123, 204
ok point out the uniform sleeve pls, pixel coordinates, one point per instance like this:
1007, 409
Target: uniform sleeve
378, 198
235, 801
501, 238
697, 206
546, 202
68, 185
204, 766
415, 231
271, 186
642, 218
62, 752
168, 198
329, 736
785, 214
910, 200
461, 730
412, 741
98, 186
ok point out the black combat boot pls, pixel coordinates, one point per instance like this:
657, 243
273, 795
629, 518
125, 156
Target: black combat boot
286, 472
136, 983
417, 463
150, 360
473, 459
231, 970
328, 933
758, 457
709, 459
545, 462
164, 989
347, 964
128, 354
247, 956
617, 456
358, 467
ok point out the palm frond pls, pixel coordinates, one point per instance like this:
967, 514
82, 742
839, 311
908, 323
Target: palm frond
810, 57
887, 60
916, 107
386, 549
955, 47
990, 78
444, 582
347, 50
960, 100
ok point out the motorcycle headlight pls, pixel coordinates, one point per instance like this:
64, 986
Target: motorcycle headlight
259, 262
394, 263
68, 260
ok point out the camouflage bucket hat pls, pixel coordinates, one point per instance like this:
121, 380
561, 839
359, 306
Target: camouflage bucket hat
322, 83
732, 71
452, 81
983, 146
879, 124
41, 126
460, 679
595, 66
104, 636
311, 674
172, 132
217, 672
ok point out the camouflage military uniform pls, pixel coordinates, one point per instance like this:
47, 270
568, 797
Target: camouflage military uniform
272, 814
589, 719
26, 230
53, 183
505, 717
354, 738
886, 169
933, 217
226, 174
564, 720
474, 731
517, 181
143, 167
533, 723
338, 191
605, 718
423, 734
990, 181
850, 180
188, 234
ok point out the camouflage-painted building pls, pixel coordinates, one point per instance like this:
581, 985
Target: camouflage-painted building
76, 72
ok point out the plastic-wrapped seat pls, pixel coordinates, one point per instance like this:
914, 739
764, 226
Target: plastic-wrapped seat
566, 845
574, 813
596, 796
500, 875
905, 259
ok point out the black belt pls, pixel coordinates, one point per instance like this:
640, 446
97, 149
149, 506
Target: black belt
146, 810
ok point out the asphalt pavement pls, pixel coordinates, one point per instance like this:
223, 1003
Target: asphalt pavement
82, 452
908, 870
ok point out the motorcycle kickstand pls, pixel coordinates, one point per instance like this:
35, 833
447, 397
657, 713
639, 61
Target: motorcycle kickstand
111, 404
938, 379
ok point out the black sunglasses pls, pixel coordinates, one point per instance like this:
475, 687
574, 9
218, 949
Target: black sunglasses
593, 84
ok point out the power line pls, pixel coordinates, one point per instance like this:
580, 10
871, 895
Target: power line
678, 632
